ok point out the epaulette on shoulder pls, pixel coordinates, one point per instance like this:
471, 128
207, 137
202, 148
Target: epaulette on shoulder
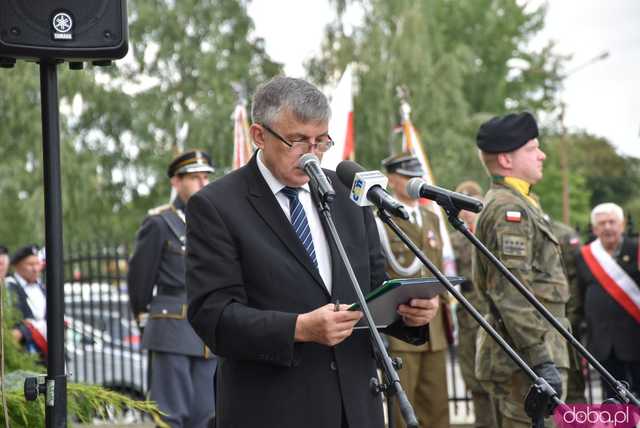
160, 209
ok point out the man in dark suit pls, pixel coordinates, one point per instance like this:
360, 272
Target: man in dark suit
27, 293
261, 274
182, 367
609, 279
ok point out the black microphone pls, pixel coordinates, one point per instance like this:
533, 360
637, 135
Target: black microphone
367, 188
418, 188
310, 164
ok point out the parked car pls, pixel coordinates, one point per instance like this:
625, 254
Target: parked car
96, 357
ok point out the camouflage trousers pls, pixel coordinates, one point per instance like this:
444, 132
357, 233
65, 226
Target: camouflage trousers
424, 379
507, 399
468, 330
576, 383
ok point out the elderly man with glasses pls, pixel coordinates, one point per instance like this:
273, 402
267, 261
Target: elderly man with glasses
262, 276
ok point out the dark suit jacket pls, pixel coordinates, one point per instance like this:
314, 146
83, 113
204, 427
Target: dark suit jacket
609, 327
248, 277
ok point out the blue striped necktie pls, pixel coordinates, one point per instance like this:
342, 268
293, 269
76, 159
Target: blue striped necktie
300, 223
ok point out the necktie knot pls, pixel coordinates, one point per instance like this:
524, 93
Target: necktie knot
290, 192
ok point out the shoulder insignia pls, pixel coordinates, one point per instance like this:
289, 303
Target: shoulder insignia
574, 241
513, 216
158, 210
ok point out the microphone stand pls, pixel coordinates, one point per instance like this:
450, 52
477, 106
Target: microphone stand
452, 213
392, 384
542, 398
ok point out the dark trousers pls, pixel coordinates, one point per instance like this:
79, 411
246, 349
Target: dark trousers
182, 386
623, 371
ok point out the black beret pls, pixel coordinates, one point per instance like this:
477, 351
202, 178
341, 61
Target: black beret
403, 164
504, 134
3, 250
190, 161
24, 252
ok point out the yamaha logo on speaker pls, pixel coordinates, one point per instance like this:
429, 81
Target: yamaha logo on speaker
62, 24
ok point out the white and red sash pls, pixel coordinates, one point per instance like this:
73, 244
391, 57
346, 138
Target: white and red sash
613, 278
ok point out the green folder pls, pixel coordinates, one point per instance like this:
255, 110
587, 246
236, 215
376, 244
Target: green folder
383, 302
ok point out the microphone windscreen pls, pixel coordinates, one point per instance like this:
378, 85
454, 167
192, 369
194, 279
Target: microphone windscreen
346, 171
306, 158
413, 187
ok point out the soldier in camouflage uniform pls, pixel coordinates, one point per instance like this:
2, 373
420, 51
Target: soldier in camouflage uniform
514, 228
467, 326
570, 245
424, 372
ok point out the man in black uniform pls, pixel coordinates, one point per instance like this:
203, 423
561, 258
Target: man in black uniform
182, 367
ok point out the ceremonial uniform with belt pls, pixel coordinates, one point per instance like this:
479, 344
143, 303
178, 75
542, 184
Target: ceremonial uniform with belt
570, 245
182, 367
424, 372
468, 330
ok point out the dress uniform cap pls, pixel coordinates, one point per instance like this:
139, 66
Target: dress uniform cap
503, 134
403, 164
24, 252
190, 161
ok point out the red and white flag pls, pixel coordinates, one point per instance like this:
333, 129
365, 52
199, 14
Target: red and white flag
341, 127
411, 144
242, 144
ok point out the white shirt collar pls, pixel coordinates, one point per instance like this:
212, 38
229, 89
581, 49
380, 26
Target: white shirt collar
23, 282
274, 184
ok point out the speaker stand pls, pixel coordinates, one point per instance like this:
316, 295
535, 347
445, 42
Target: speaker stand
56, 381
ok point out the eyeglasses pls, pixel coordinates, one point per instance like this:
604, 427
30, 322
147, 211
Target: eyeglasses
322, 144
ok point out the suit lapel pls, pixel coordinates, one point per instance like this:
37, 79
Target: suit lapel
267, 207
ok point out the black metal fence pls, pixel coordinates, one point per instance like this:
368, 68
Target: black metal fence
103, 342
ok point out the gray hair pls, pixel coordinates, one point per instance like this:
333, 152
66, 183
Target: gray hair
301, 98
606, 208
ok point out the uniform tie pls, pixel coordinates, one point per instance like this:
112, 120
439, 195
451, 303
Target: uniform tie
300, 223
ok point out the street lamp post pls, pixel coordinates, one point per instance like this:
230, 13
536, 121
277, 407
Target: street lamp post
563, 151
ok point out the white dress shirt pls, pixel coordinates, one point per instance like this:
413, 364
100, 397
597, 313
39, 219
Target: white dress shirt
415, 216
37, 302
320, 244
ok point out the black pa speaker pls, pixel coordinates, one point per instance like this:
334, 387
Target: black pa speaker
73, 30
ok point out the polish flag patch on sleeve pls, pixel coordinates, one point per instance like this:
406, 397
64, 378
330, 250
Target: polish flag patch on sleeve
514, 216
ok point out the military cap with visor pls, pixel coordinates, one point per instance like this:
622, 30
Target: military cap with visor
403, 164
24, 252
503, 134
190, 162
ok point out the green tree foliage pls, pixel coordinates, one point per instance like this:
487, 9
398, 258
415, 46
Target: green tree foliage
462, 62
609, 176
122, 124
550, 187
597, 174
84, 402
